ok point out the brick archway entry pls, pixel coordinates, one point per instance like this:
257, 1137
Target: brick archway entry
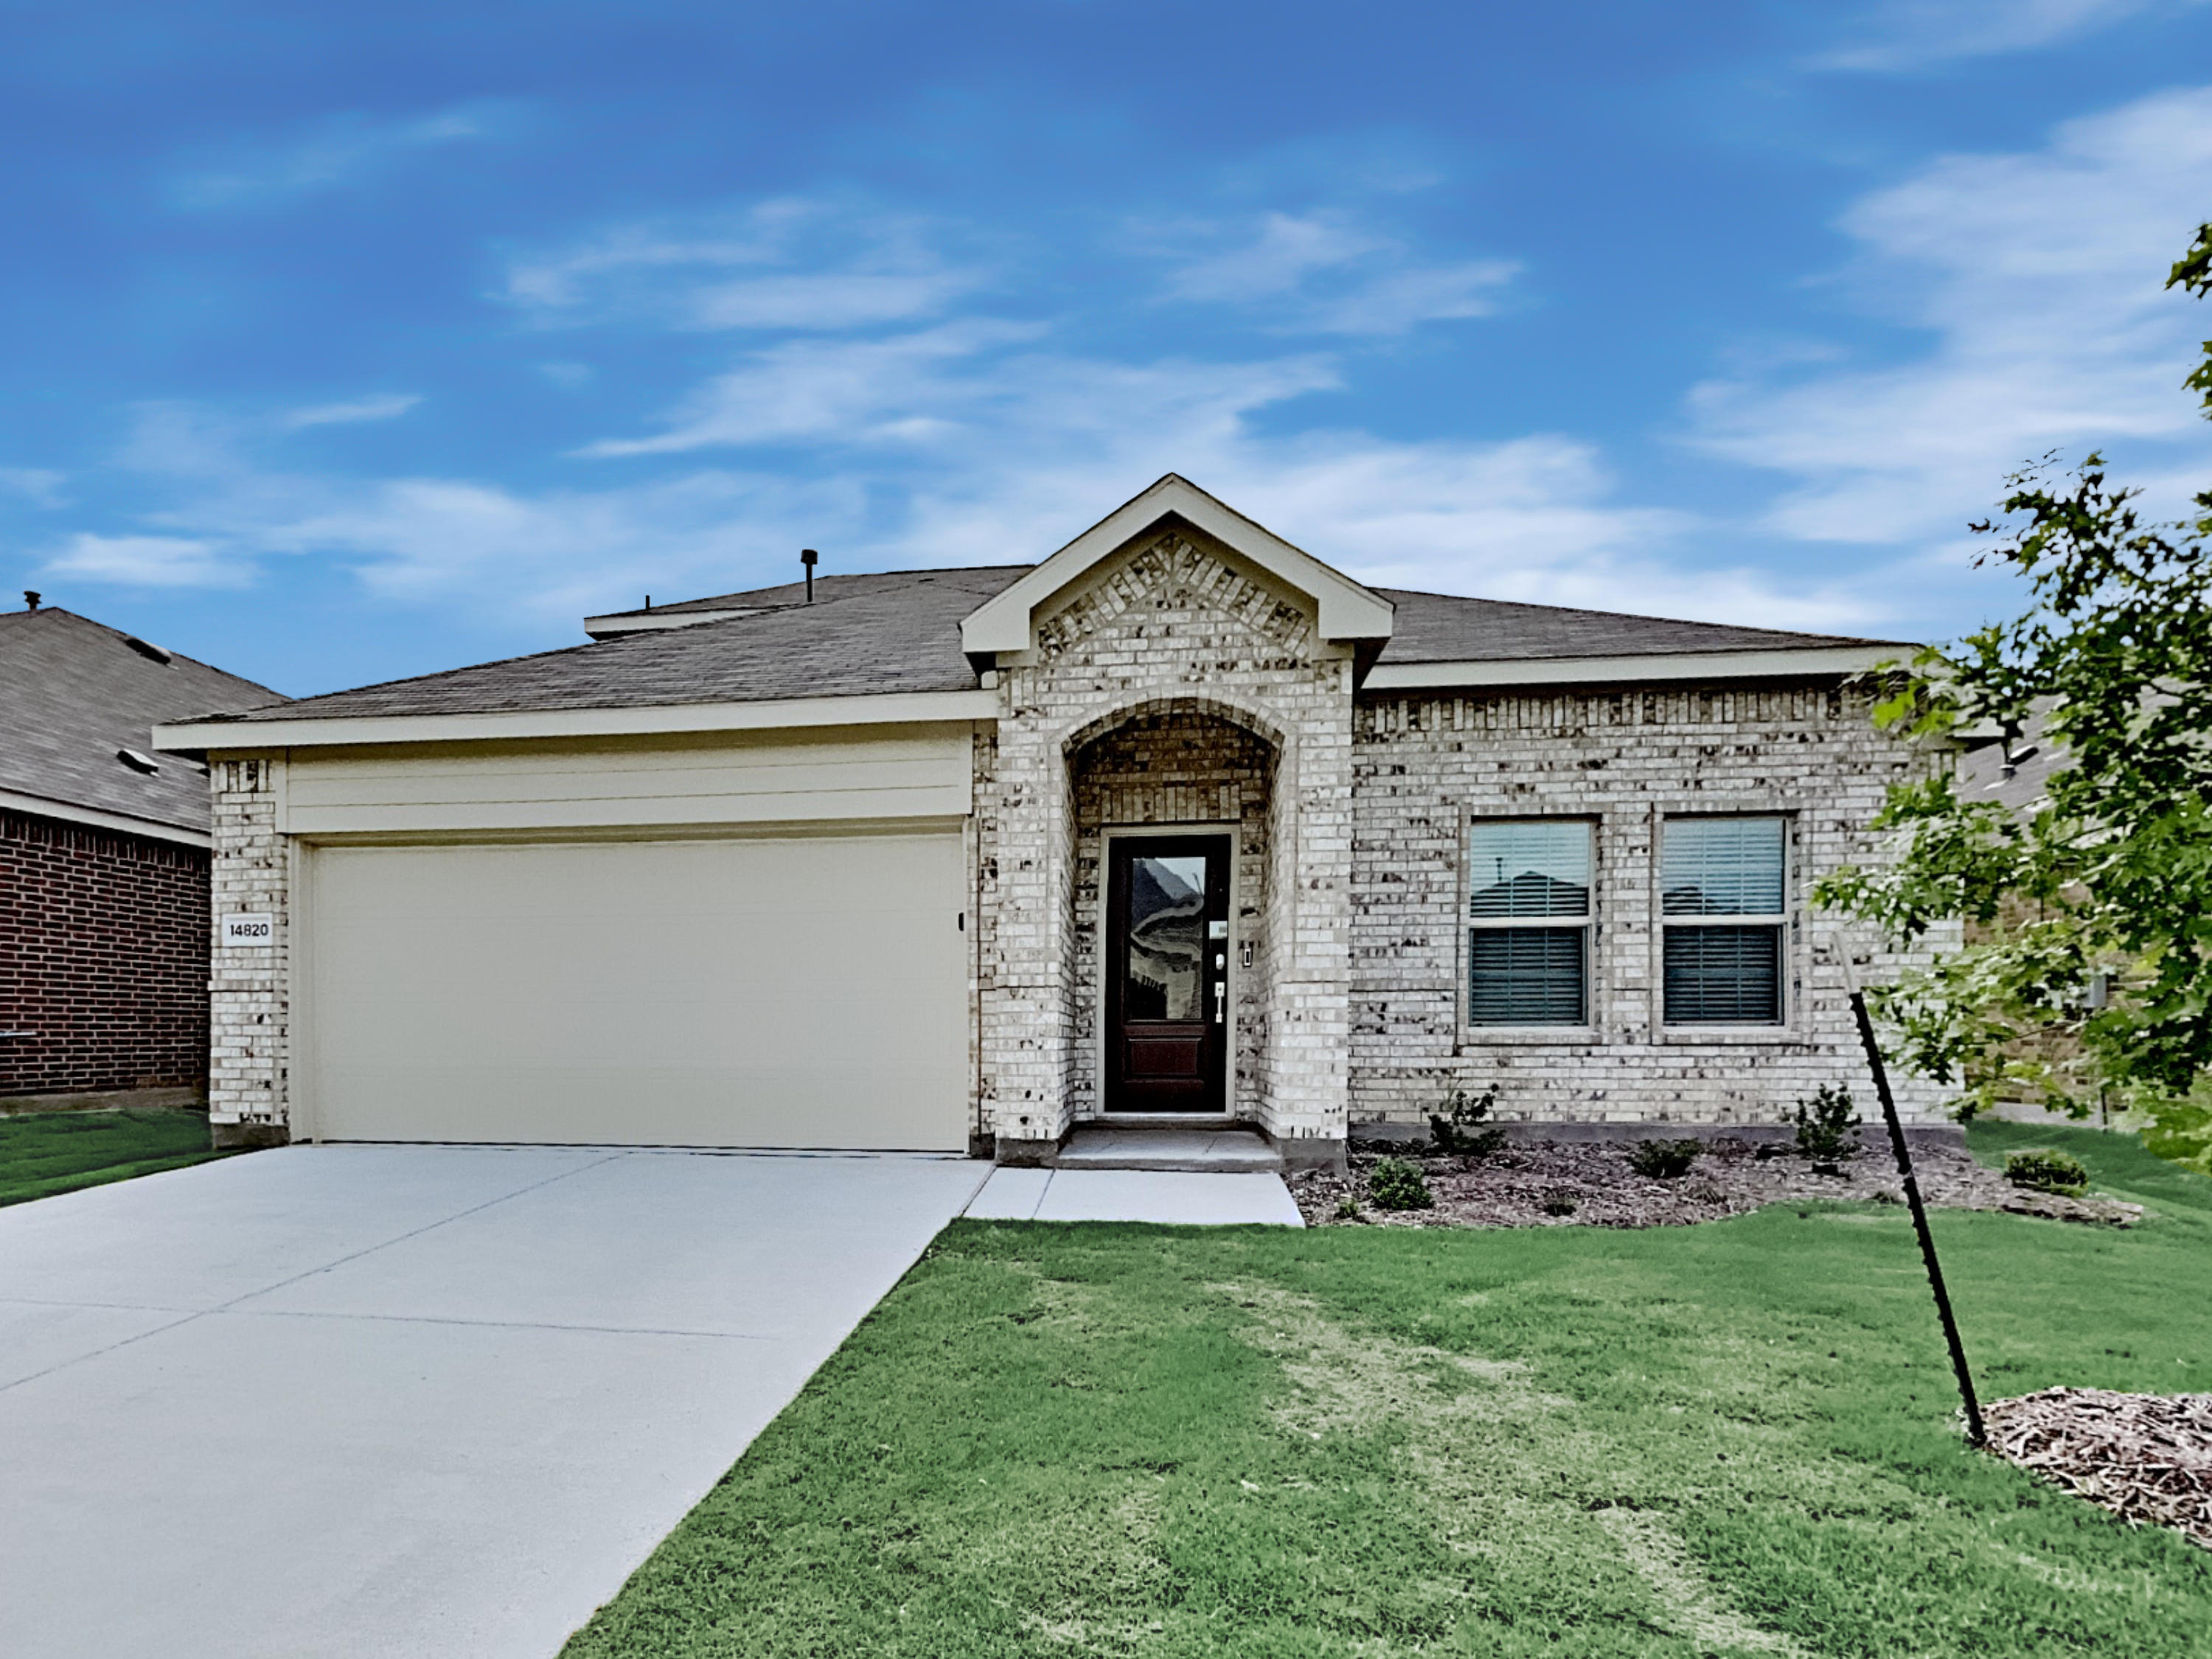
1188, 770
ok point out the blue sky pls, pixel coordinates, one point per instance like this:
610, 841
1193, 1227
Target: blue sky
342, 344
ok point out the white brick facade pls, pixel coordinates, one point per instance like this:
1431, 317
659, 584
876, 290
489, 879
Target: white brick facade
1180, 629
1626, 761
1175, 683
249, 1082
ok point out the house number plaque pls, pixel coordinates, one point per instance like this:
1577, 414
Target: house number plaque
254, 930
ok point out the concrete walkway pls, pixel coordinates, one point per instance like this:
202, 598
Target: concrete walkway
1183, 1200
356, 1401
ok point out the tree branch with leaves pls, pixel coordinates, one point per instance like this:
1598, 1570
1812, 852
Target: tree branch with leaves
2108, 877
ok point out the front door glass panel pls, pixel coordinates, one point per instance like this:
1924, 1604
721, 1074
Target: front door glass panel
1167, 979
1163, 965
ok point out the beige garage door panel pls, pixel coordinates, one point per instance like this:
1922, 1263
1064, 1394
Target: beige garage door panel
800, 992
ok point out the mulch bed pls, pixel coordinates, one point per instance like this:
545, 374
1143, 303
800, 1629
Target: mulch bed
2146, 1457
1542, 1183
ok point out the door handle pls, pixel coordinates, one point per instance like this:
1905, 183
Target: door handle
1220, 1001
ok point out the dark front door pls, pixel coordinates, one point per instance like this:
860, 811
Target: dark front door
1167, 971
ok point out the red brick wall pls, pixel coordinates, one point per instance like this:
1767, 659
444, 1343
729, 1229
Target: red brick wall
104, 942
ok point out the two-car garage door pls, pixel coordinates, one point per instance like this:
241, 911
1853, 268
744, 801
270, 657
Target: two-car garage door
801, 991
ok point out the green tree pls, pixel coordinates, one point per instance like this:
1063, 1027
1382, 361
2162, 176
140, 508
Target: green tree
2109, 879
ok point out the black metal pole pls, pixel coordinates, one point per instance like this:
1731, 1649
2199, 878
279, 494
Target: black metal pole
1976, 1436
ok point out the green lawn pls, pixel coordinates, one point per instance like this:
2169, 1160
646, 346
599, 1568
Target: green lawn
49, 1152
1735, 1438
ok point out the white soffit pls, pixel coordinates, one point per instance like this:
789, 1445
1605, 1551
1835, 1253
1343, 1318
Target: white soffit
897, 708
1347, 610
1608, 670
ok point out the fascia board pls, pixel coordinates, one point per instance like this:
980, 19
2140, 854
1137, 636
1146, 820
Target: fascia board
895, 708
1347, 610
1607, 670
69, 812
605, 628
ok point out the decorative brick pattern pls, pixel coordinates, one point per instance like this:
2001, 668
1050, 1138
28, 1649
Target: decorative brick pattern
103, 959
1625, 760
1180, 628
1174, 769
249, 1092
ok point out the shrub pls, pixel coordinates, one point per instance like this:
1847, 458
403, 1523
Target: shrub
2046, 1171
1460, 1128
1347, 1208
1395, 1184
1827, 1125
1558, 1204
1664, 1160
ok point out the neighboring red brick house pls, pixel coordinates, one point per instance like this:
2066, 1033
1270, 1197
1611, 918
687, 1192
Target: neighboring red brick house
104, 916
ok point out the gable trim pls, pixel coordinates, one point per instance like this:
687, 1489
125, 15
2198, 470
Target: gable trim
1346, 610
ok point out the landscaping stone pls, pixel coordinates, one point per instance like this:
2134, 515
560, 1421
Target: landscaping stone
1552, 1183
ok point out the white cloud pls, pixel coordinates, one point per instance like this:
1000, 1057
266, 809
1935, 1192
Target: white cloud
977, 446
340, 150
2038, 279
1286, 251
40, 486
1907, 35
1329, 275
383, 408
786, 264
148, 562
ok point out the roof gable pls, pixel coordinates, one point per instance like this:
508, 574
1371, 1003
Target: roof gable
1345, 609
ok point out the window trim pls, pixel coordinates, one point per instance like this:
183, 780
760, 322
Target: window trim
1473, 1036
1783, 921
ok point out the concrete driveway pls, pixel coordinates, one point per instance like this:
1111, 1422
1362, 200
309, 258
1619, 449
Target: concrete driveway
407, 1399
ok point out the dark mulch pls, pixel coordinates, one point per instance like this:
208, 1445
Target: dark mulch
1590, 1184
2146, 1457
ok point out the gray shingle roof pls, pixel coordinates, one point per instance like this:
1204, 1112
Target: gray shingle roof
75, 691
865, 635
1444, 628
900, 631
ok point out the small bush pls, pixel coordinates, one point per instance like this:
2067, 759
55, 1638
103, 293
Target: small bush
1460, 1128
2046, 1171
1664, 1160
1827, 1125
1558, 1204
1395, 1184
1347, 1208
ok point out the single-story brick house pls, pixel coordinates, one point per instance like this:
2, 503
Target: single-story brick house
1179, 821
104, 853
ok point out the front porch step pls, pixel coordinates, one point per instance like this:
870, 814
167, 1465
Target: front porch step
1195, 1151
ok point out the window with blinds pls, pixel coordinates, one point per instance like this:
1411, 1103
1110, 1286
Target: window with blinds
1722, 887
1528, 921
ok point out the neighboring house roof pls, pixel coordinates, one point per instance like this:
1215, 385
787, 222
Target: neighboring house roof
76, 692
2015, 772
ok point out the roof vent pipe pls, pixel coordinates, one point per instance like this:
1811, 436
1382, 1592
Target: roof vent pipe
31, 598
807, 556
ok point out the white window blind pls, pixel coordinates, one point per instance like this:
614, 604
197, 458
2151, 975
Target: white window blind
1722, 887
1528, 922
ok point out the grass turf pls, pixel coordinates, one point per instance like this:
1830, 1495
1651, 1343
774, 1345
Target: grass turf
1737, 1437
49, 1152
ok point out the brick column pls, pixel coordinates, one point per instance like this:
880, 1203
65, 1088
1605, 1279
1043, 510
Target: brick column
249, 1092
